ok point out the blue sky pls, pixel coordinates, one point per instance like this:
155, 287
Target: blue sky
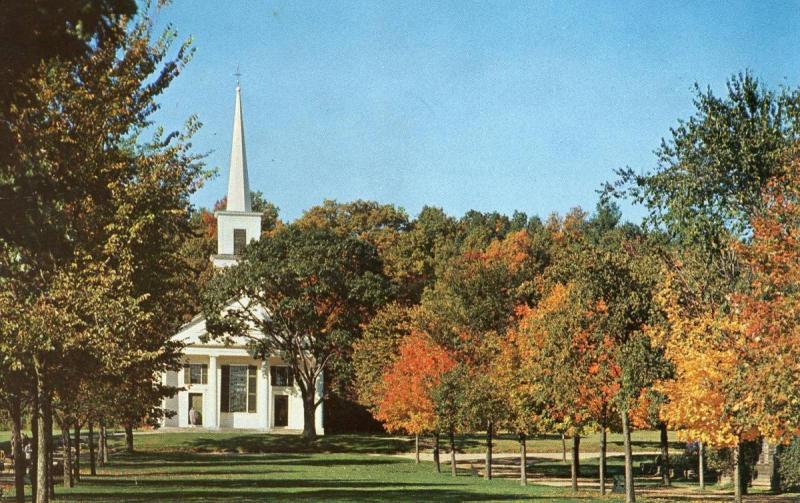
463, 105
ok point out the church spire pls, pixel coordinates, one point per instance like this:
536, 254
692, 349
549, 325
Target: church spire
238, 224
238, 183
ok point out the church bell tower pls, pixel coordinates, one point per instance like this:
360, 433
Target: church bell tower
238, 224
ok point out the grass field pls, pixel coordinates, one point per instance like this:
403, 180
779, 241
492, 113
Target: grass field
181, 467
280, 477
255, 443
381, 444
225, 466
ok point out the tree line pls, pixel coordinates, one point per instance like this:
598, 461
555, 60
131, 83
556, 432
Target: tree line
94, 273
583, 323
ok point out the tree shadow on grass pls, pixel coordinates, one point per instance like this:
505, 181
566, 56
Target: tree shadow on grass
328, 494
589, 468
371, 461
650, 445
267, 443
238, 483
195, 460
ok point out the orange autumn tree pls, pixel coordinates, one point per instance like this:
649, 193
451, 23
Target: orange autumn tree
706, 347
468, 312
712, 396
406, 403
594, 357
569, 375
771, 309
516, 375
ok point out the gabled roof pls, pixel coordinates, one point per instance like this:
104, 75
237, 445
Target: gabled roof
192, 332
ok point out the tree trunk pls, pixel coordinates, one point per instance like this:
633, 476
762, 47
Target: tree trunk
76, 467
42, 457
34, 446
16, 446
523, 460
49, 443
701, 466
602, 461
453, 468
309, 424
69, 481
630, 494
737, 474
92, 460
563, 448
416, 448
665, 479
103, 443
576, 461
129, 438
487, 471
437, 466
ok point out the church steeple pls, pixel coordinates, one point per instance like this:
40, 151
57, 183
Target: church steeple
238, 183
238, 224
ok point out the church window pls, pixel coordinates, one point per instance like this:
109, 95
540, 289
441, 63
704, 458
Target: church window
239, 241
195, 373
281, 376
239, 384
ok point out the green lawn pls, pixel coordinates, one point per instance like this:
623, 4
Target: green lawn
255, 443
640, 441
205, 467
300, 477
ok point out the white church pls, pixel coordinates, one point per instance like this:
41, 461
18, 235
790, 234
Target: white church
223, 386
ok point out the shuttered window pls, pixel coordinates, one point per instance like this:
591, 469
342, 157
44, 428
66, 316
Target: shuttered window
237, 396
281, 376
239, 241
251, 388
239, 388
224, 402
195, 373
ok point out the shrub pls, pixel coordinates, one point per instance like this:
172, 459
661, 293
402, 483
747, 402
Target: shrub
788, 461
721, 460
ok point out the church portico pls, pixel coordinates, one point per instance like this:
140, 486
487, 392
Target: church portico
229, 389
242, 403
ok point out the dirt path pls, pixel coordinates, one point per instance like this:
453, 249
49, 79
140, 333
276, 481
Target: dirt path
506, 465
466, 457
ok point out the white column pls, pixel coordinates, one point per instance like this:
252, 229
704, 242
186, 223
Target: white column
318, 412
164, 399
262, 389
268, 402
212, 394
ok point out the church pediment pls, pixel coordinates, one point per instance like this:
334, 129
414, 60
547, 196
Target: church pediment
194, 332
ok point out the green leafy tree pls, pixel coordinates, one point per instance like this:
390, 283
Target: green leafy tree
711, 174
377, 350
714, 166
33, 33
309, 291
421, 253
95, 200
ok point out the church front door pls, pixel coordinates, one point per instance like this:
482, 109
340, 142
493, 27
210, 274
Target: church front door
196, 409
281, 411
